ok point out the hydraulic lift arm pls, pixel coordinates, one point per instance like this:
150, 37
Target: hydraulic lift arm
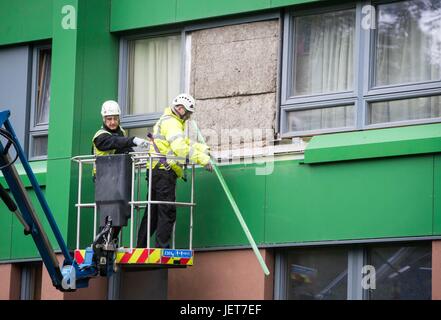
71, 275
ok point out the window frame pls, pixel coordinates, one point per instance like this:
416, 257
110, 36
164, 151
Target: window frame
402, 91
33, 129
129, 121
364, 90
290, 103
358, 256
288, 61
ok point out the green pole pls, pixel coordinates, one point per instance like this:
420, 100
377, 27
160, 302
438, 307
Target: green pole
235, 207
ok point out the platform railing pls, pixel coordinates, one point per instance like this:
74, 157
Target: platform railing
139, 162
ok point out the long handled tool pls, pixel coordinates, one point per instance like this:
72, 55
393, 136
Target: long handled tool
235, 207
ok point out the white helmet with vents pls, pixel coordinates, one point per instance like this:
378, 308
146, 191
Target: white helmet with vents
186, 100
110, 108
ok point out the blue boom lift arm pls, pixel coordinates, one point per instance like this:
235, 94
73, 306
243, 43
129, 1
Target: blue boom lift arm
70, 276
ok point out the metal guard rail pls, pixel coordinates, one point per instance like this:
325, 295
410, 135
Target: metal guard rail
139, 161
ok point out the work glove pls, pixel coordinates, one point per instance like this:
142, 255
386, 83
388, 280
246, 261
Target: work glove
209, 167
142, 143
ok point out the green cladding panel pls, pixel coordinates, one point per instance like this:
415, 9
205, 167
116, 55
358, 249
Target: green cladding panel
85, 71
25, 20
374, 143
133, 14
214, 220
437, 195
64, 76
23, 246
14, 244
297, 202
281, 3
350, 200
198, 9
98, 74
6, 221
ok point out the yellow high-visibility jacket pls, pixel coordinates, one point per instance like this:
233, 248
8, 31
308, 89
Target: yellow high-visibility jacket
169, 137
118, 141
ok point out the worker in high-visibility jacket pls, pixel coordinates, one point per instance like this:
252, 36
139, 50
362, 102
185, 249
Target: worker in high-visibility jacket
169, 139
110, 139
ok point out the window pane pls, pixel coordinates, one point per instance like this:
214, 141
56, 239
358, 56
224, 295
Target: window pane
140, 133
317, 274
154, 73
39, 146
325, 118
323, 58
402, 272
401, 110
30, 287
43, 87
408, 42
14, 69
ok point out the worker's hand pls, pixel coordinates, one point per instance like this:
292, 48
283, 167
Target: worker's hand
142, 143
209, 167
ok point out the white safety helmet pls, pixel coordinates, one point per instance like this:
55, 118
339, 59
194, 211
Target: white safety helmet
186, 100
110, 108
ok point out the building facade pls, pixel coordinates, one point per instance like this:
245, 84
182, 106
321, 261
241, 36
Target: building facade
323, 115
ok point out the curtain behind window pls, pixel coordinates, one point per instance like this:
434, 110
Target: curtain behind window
43, 89
408, 51
323, 63
324, 57
154, 73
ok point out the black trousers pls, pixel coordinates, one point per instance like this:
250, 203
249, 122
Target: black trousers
163, 216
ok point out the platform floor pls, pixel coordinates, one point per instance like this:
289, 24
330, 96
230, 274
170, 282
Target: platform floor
143, 256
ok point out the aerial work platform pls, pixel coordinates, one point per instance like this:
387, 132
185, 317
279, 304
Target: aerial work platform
130, 255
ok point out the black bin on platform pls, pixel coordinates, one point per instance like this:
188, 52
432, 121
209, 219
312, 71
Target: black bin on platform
113, 187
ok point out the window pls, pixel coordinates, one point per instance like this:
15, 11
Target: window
30, 286
407, 42
323, 53
401, 273
311, 276
40, 105
340, 75
15, 64
396, 271
150, 78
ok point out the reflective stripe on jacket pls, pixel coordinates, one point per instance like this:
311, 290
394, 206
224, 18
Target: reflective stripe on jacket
170, 139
